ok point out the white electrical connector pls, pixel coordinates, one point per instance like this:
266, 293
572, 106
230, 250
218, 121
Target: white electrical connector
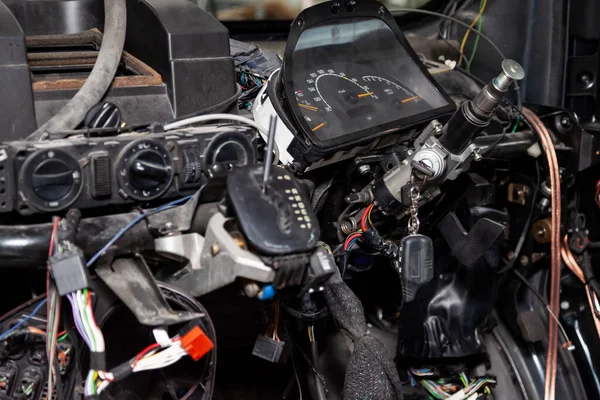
460, 395
162, 337
473, 396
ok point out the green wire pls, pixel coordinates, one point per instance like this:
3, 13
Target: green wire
87, 321
516, 124
476, 44
63, 337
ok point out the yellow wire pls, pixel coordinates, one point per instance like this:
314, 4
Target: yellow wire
358, 231
369, 216
309, 335
468, 32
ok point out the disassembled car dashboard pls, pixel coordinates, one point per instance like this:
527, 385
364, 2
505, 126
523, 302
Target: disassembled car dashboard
361, 218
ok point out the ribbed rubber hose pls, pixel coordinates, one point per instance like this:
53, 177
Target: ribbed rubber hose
100, 79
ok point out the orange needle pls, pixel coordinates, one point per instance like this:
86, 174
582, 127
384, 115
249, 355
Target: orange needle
318, 126
360, 96
311, 108
410, 99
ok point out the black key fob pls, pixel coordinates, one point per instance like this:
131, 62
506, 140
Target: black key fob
416, 264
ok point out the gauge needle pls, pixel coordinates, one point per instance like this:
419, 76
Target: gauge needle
410, 99
318, 126
311, 108
360, 96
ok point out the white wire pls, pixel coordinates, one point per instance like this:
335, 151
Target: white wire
103, 386
86, 327
162, 359
165, 358
89, 382
216, 117
101, 348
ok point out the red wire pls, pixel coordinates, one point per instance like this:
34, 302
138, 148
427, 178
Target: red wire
363, 220
144, 352
54, 228
89, 301
350, 238
50, 252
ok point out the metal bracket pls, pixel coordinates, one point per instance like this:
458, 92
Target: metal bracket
133, 283
220, 260
186, 246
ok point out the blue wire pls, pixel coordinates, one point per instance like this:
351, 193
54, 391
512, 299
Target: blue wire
131, 224
99, 253
352, 243
27, 318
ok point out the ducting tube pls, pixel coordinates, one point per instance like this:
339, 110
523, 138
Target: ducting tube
26, 246
99, 80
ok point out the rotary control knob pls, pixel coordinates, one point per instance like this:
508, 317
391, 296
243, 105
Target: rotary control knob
50, 180
192, 162
145, 170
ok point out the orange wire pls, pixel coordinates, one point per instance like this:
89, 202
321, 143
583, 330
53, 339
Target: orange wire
468, 32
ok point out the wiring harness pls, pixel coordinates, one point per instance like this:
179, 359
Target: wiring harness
193, 343
463, 388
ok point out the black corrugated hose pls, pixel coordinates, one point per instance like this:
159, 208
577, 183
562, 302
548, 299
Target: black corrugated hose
99, 80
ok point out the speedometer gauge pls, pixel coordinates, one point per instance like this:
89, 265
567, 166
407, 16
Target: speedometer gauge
329, 100
349, 77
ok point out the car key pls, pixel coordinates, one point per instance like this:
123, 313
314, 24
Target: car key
416, 254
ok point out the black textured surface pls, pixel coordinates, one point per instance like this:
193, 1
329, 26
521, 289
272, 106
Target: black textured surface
371, 373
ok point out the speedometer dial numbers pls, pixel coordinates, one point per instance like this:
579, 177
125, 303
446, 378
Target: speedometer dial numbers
330, 100
332, 103
393, 95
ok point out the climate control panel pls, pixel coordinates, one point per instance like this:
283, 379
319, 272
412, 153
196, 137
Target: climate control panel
44, 177
145, 170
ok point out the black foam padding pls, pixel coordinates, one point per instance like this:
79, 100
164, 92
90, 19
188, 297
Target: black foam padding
371, 373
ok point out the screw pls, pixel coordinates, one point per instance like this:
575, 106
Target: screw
311, 291
251, 289
321, 288
409, 152
524, 260
215, 249
565, 305
364, 169
477, 154
586, 80
437, 129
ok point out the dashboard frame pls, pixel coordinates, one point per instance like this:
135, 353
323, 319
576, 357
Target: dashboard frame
323, 13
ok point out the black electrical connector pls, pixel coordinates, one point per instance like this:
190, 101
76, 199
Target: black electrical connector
268, 349
69, 271
373, 240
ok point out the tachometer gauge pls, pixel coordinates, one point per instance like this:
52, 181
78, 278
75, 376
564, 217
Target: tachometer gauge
349, 76
394, 96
